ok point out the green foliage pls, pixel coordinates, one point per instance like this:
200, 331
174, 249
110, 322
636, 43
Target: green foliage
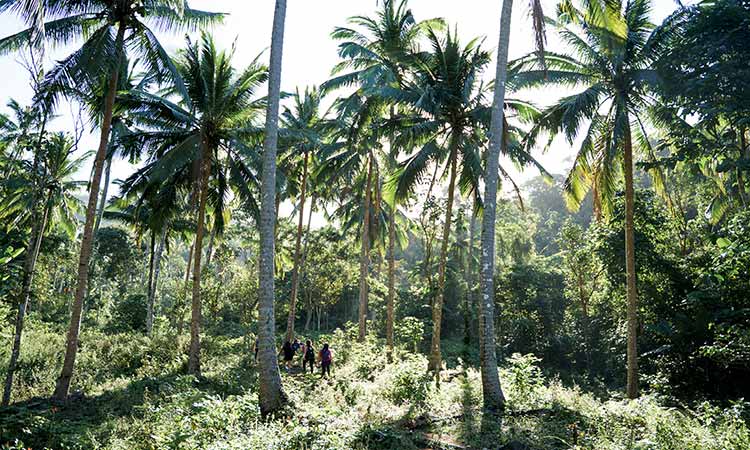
409, 330
409, 384
525, 379
129, 314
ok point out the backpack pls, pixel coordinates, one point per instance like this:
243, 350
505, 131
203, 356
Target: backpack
326, 355
310, 353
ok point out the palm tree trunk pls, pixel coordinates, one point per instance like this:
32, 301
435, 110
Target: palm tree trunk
494, 399
437, 306
71, 348
151, 252
155, 281
105, 190
183, 294
364, 256
210, 249
468, 325
29, 264
297, 255
632, 294
194, 363
271, 395
740, 177
391, 283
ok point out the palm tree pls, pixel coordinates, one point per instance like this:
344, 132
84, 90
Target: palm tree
271, 395
493, 394
446, 97
202, 137
448, 126
57, 166
110, 28
92, 98
378, 54
305, 130
613, 47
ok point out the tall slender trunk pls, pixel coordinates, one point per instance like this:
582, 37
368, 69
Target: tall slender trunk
210, 249
740, 177
29, 265
71, 348
632, 294
297, 255
151, 252
364, 255
494, 399
155, 281
391, 283
306, 246
271, 395
105, 190
183, 294
194, 363
437, 306
468, 325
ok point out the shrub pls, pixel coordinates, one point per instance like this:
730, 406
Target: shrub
410, 384
525, 379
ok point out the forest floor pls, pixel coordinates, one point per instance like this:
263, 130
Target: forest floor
133, 395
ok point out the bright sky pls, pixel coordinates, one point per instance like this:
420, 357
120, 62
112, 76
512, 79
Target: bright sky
310, 53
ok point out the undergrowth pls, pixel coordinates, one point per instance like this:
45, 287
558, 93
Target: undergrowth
133, 395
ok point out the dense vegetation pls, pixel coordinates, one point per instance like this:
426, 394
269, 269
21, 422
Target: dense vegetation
602, 308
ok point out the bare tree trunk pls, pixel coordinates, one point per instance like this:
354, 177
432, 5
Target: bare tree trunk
210, 249
271, 394
155, 281
308, 318
494, 399
740, 178
391, 283
194, 363
29, 265
469, 281
297, 255
364, 256
632, 293
183, 295
71, 348
105, 190
437, 306
151, 252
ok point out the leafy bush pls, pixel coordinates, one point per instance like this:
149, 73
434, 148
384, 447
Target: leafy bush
409, 384
525, 378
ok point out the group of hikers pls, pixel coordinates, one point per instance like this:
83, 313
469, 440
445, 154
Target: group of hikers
308, 355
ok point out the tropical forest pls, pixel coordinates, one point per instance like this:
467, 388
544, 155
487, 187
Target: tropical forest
375, 224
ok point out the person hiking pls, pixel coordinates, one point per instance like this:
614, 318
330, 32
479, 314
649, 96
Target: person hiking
296, 345
308, 356
326, 359
288, 352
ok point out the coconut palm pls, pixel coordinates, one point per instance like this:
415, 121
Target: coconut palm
493, 397
613, 47
304, 130
57, 165
92, 99
202, 143
271, 395
110, 28
377, 53
448, 126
